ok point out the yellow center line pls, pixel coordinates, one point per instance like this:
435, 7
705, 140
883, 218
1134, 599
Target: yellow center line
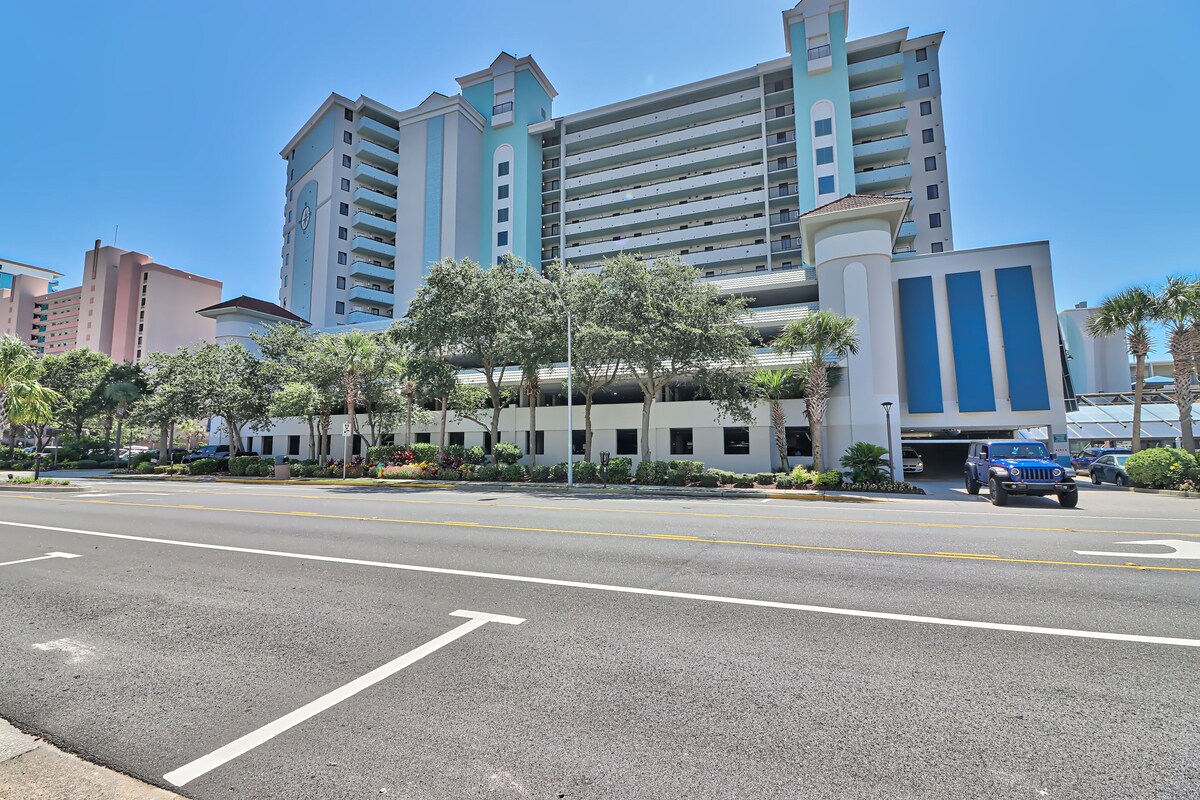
691, 539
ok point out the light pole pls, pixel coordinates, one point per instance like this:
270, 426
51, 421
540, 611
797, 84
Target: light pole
570, 425
887, 413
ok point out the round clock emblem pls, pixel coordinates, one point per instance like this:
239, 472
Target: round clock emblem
305, 216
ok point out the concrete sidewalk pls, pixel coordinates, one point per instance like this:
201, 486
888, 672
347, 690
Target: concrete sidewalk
31, 769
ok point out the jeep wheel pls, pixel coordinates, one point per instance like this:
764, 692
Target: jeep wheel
1068, 499
999, 493
972, 484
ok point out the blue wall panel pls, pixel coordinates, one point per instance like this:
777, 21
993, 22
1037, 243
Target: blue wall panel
1023, 359
918, 326
317, 143
302, 266
431, 249
969, 340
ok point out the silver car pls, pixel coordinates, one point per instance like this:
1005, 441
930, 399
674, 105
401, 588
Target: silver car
913, 463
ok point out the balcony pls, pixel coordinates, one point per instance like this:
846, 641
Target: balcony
364, 221
361, 293
785, 246
785, 217
371, 153
502, 115
777, 316
908, 231
357, 317
372, 273
727, 180
677, 117
881, 151
643, 172
362, 245
779, 138
376, 131
884, 179
376, 178
876, 70
879, 124
873, 98
734, 254
374, 200
787, 190
779, 164
642, 150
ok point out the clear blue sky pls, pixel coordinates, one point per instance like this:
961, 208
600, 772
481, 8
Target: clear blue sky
1069, 121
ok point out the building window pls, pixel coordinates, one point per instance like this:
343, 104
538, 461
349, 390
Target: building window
348, 114
935, 220
456, 438
627, 441
578, 442
344, 209
930, 163
341, 282
936, 247
681, 441
927, 136
346, 161
502, 239
825, 184
798, 441
341, 257
539, 442
339, 307
922, 54
823, 127
926, 108
268, 446
923, 80
293, 446
287, 238
347, 137
343, 233
287, 259
421, 438
285, 283
737, 441
502, 215
931, 192
502, 168
345, 184
502, 191
824, 155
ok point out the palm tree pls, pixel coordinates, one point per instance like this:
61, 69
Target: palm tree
123, 394
18, 374
1177, 307
1129, 313
826, 336
355, 352
35, 405
774, 386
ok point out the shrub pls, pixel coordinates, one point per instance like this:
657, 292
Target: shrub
559, 471
137, 459
828, 478
743, 481
619, 469
407, 471
244, 465
688, 468
539, 474
380, 454
1161, 467
512, 472
83, 463
708, 480
885, 485
99, 464
802, 476
865, 461
487, 472
474, 455
784, 482
652, 473
424, 451
722, 476
455, 451
764, 477
145, 468
586, 472
204, 466
507, 453
676, 477
449, 475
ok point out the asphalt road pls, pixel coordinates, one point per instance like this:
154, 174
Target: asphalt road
671, 648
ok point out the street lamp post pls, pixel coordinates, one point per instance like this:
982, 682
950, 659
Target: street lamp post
887, 413
570, 424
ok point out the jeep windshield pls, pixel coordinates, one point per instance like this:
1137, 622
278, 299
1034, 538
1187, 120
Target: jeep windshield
1034, 450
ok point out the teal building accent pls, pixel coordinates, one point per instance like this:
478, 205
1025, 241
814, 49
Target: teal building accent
5, 280
832, 85
431, 247
531, 104
312, 147
302, 262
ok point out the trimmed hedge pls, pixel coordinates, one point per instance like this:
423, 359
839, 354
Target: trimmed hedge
619, 469
652, 473
507, 453
1161, 467
204, 466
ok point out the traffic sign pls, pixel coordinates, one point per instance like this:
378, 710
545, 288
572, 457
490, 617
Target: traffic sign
346, 430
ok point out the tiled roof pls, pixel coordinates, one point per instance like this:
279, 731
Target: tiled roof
852, 201
260, 306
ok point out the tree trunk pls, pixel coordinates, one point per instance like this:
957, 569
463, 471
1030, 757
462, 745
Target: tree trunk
120, 425
312, 437
1139, 387
1182, 363
408, 418
442, 426
494, 432
816, 402
37, 454
587, 425
164, 453
534, 390
779, 421
647, 402
108, 423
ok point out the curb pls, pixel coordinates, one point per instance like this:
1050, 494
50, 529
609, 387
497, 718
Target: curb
1164, 492
33, 487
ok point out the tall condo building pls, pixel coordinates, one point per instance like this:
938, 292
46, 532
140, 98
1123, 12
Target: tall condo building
717, 171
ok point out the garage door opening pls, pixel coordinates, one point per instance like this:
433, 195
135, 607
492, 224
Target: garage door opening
943, 458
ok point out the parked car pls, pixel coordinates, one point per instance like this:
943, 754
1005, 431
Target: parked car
207, 451
1083, 461
1111, 467
912, 461
1009, 467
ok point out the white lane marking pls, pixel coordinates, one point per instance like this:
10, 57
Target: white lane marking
190, 771
89, 495
603, 587
1180, 548
39, 558
78, 651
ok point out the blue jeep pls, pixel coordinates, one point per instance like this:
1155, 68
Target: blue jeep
1018, 467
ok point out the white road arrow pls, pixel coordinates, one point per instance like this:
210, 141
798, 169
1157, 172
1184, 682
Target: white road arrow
39, 558
1181, 548
193, 770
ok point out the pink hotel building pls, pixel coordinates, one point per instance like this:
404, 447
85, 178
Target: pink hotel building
127, 306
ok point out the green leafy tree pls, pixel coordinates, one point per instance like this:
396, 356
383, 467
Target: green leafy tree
36, 407
230, 383
595, 360
119, 373
291, 354
168, 399
78, 376
537, 343
827, 337
666, 326
1129, 313
299, 400
357, 354
1177, 309
865, 461
18, 377
121, 395
775, 386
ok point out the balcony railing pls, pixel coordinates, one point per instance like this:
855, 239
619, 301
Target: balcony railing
821, 51
503, 108
781, 111
551, 186
776, 164
785, 216
782, 137
783, 191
